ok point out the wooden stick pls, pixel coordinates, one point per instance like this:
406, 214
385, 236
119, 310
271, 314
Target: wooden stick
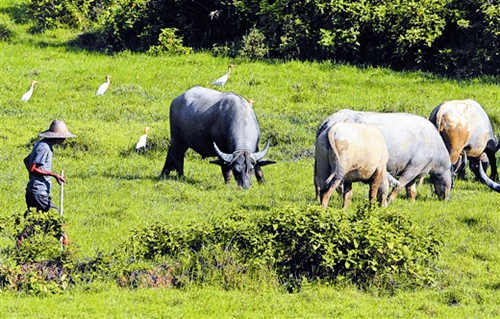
61, 201
61, 206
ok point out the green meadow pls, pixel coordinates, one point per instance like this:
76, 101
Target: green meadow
111, 190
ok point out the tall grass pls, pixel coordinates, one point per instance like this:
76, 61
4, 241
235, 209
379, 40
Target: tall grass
111, 189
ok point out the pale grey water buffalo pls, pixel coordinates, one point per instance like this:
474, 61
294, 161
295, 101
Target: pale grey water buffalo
465, 127
415, 149
216, 124
347, 153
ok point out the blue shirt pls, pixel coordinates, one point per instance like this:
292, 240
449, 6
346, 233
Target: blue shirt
42, 156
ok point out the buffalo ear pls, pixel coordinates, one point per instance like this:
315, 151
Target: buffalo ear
217, 162
265, 162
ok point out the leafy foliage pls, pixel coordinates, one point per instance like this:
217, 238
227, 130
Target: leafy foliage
37, 265
36, 234
50, 14
369, 246
169, 42
254, 45
445, 36
36, 261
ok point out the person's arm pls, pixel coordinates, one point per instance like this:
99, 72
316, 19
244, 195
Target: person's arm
34, 169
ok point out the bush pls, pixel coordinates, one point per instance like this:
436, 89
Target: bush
369, 247
254, 45
169, 42
35, 262
454, 37
36, 235
49, 14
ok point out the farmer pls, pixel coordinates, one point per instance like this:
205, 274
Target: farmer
39, 165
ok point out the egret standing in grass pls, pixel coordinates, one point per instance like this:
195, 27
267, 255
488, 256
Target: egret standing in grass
141, 143
223, 79
104, 86
26, 96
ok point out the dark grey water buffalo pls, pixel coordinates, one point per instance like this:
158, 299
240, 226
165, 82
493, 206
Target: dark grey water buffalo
347, 153
415, 149
216, 124
465, 127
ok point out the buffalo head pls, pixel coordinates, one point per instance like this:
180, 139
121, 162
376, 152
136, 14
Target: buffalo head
442, 179
242, 164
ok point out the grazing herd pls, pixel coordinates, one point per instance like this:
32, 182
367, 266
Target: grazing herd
370, 147
414, 145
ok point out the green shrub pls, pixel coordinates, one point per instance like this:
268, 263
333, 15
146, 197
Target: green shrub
370, 247
169, 42
36, 235
454, 37
35, 263
254, 45
228, 49
49, 14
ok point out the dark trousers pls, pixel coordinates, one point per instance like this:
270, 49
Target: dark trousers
40, 202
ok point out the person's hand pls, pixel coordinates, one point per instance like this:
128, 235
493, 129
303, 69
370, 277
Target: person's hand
59, 178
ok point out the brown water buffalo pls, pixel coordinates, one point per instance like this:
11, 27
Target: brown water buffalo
465, 127
347, 153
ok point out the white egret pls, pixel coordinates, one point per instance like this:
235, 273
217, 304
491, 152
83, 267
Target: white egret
26, 96
251, 102
223, 79
141, 143
104, 86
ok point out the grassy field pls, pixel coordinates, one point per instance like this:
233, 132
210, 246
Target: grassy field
112, 190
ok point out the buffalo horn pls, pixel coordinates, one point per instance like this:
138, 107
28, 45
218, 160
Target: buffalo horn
259, 155
491, 184
223, 156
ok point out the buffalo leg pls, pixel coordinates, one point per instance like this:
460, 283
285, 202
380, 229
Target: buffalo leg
460, 166
259, 174
374, 186
395, 191
227, 173
174, 160
347, 194
326, 193
325, 197
474, 167
316, 183
340, 190
380, 187
493, 165
317, 188
411, 191
382, 192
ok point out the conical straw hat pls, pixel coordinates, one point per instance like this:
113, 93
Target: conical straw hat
57, 129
